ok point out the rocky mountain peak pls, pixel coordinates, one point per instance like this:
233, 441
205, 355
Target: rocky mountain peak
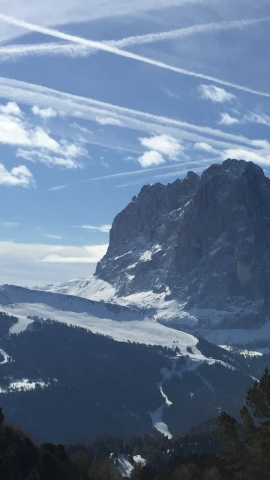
203, 240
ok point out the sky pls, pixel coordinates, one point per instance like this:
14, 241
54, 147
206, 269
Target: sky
98, 98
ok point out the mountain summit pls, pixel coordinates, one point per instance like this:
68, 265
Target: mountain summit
203, 242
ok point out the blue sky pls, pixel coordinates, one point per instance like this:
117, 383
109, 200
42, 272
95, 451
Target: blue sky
99, 98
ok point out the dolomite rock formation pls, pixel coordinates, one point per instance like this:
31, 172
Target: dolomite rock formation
203, 240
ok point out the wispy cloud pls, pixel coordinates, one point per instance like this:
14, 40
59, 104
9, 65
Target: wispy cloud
261, 157
54, 253
108, 121
72, 50
123, 53
205, 147
86, 108
216, 94
18, 176
44, 112
9, 224
53, 236
64, 12
28, 263
87, 254
50, 160
89, 109
103, 228
261, 118
226, 119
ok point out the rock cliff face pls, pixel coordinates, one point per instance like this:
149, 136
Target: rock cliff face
201, 241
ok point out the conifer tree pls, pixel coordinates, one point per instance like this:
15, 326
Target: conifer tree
246, 445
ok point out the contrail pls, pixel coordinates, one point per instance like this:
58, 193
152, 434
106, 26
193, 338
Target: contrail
68, 49
87, 108
73, 50
183, 32
136, 172
124, 53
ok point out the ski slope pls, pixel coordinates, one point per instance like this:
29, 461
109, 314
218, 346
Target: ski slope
123, 324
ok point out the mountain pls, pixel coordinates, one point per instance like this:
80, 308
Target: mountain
136, 347
204, 241
194, 254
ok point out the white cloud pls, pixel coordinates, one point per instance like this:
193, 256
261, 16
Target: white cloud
151, 158
261, 157
41, 139
226, 119
37, 143
54, 253
91, 254
103, 228
15, 131
33, 264
216, 94
261, 143
164, 144
18, 176
10, 109
44, 112
12, 131
261, 118
205, 147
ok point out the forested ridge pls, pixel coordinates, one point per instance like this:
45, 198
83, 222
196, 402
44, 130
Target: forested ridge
90, 384
244, 456
22, 459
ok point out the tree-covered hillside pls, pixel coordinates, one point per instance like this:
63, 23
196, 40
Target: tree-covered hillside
66, 384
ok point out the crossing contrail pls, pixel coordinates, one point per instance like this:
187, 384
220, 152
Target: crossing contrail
123, 53
71, 49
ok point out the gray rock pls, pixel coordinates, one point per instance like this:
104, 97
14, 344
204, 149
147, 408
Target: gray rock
205, 239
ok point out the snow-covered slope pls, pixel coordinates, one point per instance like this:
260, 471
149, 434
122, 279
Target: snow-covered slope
154, 305
91, 288
121, 323
169, 312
